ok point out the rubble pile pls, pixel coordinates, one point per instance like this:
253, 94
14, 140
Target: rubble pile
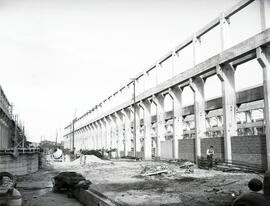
89, 160
151, 170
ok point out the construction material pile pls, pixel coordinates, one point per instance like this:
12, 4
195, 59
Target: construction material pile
151, 170
97, 153
89, 160
69, 181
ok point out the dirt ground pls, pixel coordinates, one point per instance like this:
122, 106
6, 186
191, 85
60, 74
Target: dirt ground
122, 182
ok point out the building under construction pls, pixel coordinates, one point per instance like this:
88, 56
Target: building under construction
15, 155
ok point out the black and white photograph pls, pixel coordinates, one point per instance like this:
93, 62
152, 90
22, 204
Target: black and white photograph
134, 102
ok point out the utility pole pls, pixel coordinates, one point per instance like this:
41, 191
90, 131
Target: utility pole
73, 130
134, 117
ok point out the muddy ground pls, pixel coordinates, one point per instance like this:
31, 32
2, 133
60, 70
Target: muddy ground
122, 182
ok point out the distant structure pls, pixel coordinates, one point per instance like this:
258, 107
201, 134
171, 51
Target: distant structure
16, 156
237, 124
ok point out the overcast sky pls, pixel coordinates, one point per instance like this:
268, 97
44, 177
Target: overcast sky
60, 55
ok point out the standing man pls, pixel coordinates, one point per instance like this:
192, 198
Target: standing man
210, 153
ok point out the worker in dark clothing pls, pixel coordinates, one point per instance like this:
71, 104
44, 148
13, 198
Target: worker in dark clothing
210, 153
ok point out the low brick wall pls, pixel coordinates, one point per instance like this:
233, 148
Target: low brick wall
250, 149
217, 143
187, 149
22, 165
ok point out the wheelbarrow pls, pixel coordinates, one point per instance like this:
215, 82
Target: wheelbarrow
9, 195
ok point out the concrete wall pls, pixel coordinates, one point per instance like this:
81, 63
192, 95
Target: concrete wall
250, 149
166, 149
23, 164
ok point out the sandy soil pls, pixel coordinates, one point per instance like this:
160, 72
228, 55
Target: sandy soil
121, 181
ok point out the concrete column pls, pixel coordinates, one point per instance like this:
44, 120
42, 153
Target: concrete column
225, 32
263, 57
128, 134
265, 14
157, 70
100, 137
88, 137
93, 136
104, 134
146, 105
159, 101
120, 137
226, 75
96, 135
196, 50
248, 116
138, 129
176, 94
113, 131
108, 132
197, 86
174, 59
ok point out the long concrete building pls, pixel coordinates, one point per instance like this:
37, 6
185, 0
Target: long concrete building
237, 123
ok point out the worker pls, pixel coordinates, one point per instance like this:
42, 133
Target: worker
210, 153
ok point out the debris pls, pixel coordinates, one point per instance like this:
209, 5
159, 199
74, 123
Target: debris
97, 153
69, 181
89, 159
222, 185
187, 165
155, 173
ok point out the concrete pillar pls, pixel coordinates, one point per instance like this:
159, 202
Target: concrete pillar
265, 14
197, 86
248, 116
176, 94
128, 134
108, 132
113, 132
93, 136
225, 32
96, 135
196, 50
120, 137
157, 70
160, 130
88, 140
104, 134
138, 129
226, 75
263, 57
100, 134
146, 105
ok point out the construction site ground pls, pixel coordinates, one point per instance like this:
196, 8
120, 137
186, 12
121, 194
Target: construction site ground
127, 182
